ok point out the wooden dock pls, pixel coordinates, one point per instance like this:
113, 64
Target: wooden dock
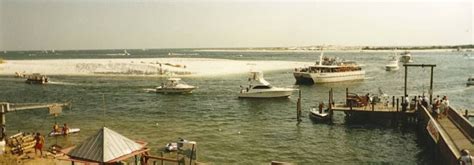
449, 134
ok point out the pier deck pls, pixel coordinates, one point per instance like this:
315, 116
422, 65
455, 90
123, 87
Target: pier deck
457, 138
376, 108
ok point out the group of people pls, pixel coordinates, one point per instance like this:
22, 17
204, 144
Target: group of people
39, 139
64, 130
440, 107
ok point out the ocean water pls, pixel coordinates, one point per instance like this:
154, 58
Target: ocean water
229, 130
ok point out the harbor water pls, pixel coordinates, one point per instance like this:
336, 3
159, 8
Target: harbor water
229, 130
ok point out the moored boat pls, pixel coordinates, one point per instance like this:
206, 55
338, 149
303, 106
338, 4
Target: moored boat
59, 133
405, 57
260, 88
329, 70
36, 78
392, 64
470, 81
174, 85
320, 115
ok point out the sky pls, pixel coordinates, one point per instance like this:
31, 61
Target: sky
137, 24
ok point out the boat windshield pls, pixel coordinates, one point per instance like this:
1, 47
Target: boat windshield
262, 87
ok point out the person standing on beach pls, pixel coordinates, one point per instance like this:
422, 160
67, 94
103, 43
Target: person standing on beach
39, 144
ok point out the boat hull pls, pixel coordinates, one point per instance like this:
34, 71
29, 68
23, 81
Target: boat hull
406, 59
315, 116
391, 68
71, 130
315, 78
174, 90
266, 94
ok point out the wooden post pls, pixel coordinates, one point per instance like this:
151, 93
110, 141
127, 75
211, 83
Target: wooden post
431, 85
347, 95
3, 110
161, 159
298, 107
397, 104
191, 156
406, 74
466, 114
373, 105
393, 101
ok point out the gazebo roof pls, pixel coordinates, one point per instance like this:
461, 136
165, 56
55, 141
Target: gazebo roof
104, 146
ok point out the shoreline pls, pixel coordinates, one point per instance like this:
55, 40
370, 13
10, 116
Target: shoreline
144, 67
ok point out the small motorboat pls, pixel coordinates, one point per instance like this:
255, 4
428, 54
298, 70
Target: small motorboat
174, 85
405, 57
175, 146
60, 133
392, 64
36, 78
470, 81
319, 115
260, 88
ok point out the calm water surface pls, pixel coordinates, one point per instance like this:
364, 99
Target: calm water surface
232, 130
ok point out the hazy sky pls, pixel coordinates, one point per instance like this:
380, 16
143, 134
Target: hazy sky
101, 24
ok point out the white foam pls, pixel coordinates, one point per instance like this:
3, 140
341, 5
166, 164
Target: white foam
144, 66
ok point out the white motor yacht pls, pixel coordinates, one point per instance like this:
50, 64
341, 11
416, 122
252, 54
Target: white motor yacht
260, 88
174, 85
329, 70
405, 57
392, 64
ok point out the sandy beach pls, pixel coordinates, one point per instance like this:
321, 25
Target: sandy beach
144, 66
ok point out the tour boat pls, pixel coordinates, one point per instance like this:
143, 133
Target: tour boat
36, 78
470, 81
329, 70
260, 88
392, 64
174, 85
405, 57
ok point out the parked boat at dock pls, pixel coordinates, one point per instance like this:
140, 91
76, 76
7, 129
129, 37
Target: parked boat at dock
470, 81
405, 57
70, 131
174, 85
392, 64
329, 70
260, 88
319, 116
36, 78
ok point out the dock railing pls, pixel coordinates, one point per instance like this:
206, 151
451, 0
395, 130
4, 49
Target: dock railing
443, 140
462, 123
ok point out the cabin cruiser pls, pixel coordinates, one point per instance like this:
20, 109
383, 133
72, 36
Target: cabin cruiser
392, 64
470, 81
260, 88
174, 85
36, 78
329, 70
405, 57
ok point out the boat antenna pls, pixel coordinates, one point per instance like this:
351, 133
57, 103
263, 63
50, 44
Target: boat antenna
321, 57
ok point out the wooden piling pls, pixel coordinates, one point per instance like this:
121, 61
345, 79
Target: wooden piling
298, 107
397, 104
393, 101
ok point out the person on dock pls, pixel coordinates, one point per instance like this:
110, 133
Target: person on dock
445, 103
321, 106
405, 103
39, 142
466, 158
65, 129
